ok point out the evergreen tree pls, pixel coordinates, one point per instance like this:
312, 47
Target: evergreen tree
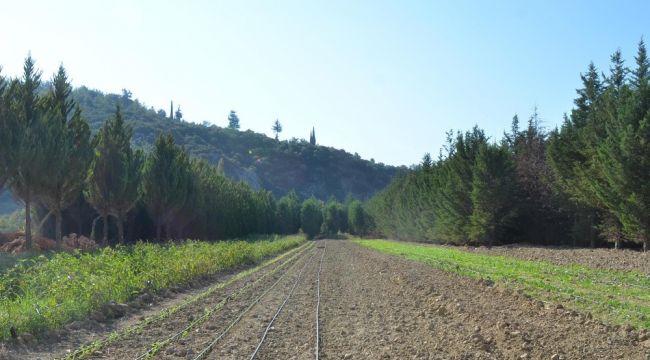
165, 182
357, 218
311, 217
492, 195
312, 137
288, 214
331, 218
178, 115
68, 149
233, 120
277, 128
114, 175
6, 130
31, 162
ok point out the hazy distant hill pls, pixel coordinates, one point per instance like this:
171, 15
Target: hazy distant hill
279, 166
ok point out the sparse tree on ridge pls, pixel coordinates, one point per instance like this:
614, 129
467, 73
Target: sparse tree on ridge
277, 129
312, 137
233, 120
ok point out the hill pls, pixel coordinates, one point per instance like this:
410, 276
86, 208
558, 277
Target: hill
261, 161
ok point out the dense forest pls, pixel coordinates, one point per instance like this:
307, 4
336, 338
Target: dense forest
71, 180
584, 183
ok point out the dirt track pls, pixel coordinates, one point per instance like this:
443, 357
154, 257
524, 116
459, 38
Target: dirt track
375, 306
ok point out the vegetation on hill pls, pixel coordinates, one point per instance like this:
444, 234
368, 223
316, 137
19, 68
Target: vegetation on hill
582, 184
260, 161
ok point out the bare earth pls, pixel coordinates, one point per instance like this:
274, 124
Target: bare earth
373, 306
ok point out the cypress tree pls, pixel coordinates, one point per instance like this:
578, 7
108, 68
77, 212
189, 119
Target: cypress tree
165, 182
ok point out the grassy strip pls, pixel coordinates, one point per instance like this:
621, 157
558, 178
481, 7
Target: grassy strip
614, 296
161, 344
46, 293
116, 336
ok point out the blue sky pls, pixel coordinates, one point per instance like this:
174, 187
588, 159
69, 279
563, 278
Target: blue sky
385, 79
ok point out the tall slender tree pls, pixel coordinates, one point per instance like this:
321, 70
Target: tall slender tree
68, 149
30, 160
165, 182
114, 175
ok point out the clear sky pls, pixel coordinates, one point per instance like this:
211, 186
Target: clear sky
385, 79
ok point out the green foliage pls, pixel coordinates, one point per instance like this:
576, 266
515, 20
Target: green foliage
45, 293
288, 214
114, 175
233, 120
277, 129
166, 182
334, 218
28, 126
311, 217
358, 220
614, 296
493, 189
67, 145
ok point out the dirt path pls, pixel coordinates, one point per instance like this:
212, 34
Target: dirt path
373, 306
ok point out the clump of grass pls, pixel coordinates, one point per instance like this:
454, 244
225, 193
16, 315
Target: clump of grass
45, 293
614, 296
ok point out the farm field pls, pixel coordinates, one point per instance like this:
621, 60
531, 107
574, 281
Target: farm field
337, 299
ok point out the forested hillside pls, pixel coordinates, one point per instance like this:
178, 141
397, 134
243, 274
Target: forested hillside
261, 161
584, 183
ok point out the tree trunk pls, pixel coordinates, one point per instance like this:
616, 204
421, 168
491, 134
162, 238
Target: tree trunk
58, 228
92, 229
617, 244
168, 235
646, 242
105, 231
120, 230
43, 221
28, 223
158, 230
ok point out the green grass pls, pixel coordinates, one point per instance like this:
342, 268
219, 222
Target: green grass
614, 296
47, 292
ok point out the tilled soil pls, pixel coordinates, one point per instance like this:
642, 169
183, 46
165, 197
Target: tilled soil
622, 260
377, 306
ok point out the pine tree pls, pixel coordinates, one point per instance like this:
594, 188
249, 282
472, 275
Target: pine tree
233, 120
493, 189
114, 175
277, 128
6, 130
31, 162
178, 115
165, 182
68, 150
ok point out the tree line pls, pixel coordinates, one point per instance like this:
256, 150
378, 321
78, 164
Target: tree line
584, 183
72, 179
